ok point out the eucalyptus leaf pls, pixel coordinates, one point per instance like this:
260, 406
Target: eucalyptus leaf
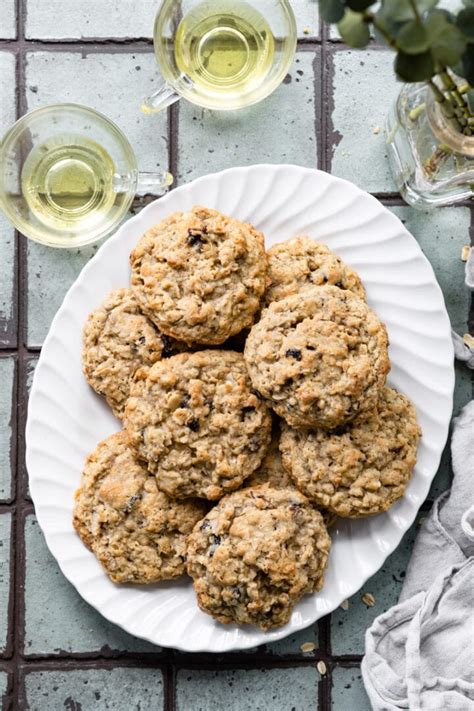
413, 38
448, 47
465, 22
332, 10
354, 31
359, 5
414, 67
396, 10
467, 68
402, 10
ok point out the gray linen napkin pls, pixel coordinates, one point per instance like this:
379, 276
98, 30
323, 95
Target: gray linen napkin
420, 653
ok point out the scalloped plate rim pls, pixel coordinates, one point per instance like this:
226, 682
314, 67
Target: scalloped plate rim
397, 533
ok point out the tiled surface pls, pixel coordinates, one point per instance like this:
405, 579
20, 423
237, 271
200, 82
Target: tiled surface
49, 277
211, 141
7, 19
90, 19
348, 626
7, 373
58, 651
7, 240
256, 689
117, 689
358, 143
5, 538
348, 690
3, 687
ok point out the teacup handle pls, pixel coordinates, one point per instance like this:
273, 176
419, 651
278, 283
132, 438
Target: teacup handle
153, 183
161, 99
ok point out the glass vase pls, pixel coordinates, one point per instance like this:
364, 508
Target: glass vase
432, 162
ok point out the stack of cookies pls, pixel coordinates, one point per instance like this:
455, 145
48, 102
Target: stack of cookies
231, 465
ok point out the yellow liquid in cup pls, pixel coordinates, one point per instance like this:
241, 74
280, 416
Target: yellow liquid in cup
225, 48
68, 183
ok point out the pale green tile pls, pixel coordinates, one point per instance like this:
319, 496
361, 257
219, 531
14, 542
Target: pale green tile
5, 534
364, 89
8, 84
7, 278
241, 690
50, 274
56, 617
348, 626
7, 241
280, 129
7, 19
292, 644
7, 376
89, 19
3, 689
348, 690
307, 17
119, 689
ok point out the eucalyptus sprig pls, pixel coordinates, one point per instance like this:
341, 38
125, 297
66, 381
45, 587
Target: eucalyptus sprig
431, 44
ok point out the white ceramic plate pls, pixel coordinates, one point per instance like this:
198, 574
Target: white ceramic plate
66, 419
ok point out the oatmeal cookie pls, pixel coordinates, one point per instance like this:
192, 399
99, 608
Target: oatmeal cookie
301, 262
117, 340
256, 554
361, 469
200, 275
319, 357
196, 422
137, 533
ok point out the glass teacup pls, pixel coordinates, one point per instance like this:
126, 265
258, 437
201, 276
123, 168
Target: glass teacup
222, 54
68, 175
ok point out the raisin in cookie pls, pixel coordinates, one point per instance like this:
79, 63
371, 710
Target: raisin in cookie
117, 340
361, 469
319, 357
137, 532
196, 422
200, 275
301, 262
256, 554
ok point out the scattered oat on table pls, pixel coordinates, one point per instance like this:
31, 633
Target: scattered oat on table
468, 340
321, 667
466, 251
344, 604
368, 599
308, 647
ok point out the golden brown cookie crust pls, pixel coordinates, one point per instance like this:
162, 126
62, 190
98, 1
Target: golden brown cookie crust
361, 469
300, 262
117, 340
197, 423
200, 275
319, 357
136, 531
256, 554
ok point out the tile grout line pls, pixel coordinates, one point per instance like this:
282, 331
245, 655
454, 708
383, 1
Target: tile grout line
18, 540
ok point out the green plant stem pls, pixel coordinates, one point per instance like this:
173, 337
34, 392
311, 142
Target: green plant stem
451, 101
415, 10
